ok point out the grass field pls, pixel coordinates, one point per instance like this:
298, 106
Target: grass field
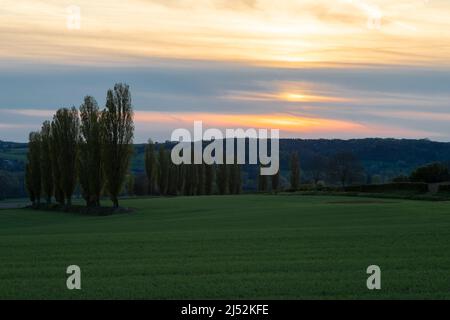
258, 247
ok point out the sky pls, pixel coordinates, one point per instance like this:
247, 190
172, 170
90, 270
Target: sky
311, 68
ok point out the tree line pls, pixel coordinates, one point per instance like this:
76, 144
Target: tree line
88, 146
92, 148
165, 178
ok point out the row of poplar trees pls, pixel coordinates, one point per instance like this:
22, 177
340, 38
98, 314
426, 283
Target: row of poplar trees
272, 183
88, 146
166, 178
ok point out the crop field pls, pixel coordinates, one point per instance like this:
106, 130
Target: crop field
231, 247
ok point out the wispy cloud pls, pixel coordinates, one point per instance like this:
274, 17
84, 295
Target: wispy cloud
282, 33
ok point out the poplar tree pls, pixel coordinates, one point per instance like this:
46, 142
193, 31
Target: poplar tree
65, 133
295, 171
150, 165
117, 138
33, 168
234, 181
130, 184
29, 183
46, 162
222, 178
181, 178
56, 173
209, 179
89, 160
173, 179
200, 172
262, 181
275, 179
163, 170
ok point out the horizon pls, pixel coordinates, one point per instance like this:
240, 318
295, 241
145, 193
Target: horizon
345, 69
302, 139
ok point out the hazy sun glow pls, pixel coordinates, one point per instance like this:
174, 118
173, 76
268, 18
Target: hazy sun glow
273, 121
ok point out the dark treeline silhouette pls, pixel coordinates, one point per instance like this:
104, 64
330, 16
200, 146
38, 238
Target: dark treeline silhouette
383, 160
166, 178
92, 149
88, 146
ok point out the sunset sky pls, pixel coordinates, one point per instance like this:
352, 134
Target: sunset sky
311, 68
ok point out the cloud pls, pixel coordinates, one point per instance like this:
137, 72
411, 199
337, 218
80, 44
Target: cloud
283, 33
413, 101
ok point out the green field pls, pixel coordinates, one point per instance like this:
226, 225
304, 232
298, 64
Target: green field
232, 247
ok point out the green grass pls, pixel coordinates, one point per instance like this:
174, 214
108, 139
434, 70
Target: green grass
252, 246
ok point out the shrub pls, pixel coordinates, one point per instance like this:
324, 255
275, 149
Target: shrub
415, 187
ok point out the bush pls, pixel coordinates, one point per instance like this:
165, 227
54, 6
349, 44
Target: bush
415, 187
432, 173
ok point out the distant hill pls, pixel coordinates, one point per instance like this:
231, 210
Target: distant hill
385, 158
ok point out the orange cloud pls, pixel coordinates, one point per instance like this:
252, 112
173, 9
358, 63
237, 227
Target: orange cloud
283, 122
284, 33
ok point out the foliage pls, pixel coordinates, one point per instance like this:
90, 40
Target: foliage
432, 173
295, 171
344, 168
65, 136
89, 158
33, 168
151, 168
117, 139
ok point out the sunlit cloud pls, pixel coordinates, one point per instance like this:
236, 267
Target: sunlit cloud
289, 125
159, 125
281, 33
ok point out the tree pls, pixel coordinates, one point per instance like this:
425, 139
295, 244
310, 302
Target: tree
33, 168
345, 168
295, 171
29, 183
191, 180
262, 181
117, 138
56, 172
46, 162
89, 159
200, 172
234, 181
432, 173
173, 179
209, 179
275, 179
163, 170
181, 178
317, 166
150, 165
222, 178
65, 132
130, 184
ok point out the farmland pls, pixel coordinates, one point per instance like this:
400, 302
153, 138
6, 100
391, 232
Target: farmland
231, 247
